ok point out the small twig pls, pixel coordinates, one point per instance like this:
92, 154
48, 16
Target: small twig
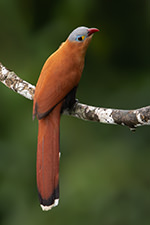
130, 118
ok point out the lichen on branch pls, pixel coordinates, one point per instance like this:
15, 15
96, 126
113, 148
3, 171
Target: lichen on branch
130, 118
15, 83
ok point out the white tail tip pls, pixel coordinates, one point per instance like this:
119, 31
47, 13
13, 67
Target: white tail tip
49, 207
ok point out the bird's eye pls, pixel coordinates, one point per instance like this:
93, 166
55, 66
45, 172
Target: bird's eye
80, 38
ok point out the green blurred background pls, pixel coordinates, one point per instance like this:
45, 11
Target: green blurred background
104, 169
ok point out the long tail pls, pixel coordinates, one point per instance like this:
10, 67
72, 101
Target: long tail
48, 159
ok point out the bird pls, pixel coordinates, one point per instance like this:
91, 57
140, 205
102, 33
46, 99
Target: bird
55, 91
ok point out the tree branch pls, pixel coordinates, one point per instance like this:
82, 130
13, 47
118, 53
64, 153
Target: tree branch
15, 83
130, 118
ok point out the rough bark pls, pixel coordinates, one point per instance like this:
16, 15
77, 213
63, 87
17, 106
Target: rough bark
130, 118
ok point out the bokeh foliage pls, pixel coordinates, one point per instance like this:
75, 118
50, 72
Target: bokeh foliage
104, 169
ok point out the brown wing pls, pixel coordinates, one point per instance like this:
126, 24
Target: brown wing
58, 77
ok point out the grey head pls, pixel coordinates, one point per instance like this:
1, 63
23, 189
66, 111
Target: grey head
81, 33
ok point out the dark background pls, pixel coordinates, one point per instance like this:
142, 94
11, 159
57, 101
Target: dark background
104, 169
